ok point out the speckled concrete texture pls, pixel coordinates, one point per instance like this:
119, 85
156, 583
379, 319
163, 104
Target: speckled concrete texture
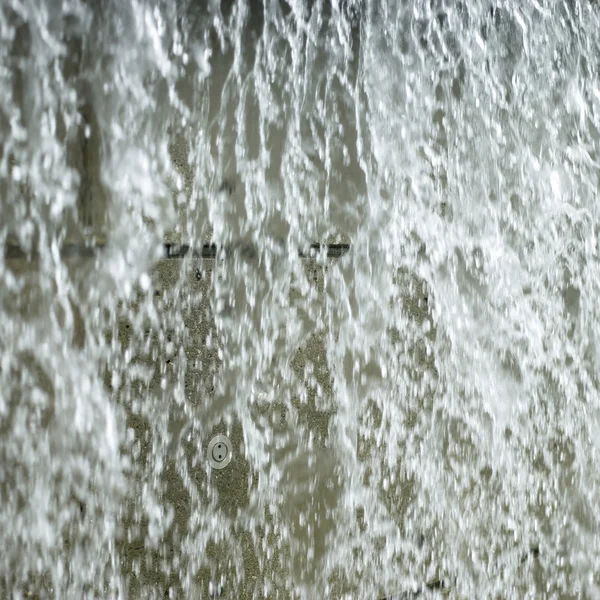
186, 341
174, 401
185, 348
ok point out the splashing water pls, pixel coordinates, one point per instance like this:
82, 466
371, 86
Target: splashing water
415, 416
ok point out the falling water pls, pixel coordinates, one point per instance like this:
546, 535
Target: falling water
416, 416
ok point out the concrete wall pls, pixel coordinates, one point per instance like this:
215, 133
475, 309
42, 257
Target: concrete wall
186, 396
180, 353
226, 492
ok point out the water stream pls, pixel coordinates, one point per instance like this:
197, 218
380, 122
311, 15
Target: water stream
415, 416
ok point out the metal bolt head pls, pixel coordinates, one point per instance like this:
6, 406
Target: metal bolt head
219, 452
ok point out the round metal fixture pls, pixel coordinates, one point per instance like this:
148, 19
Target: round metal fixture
219, 452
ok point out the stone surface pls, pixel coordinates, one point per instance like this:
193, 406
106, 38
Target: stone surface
176, 367
309, 485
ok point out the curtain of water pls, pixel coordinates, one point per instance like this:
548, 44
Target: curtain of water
453, 144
